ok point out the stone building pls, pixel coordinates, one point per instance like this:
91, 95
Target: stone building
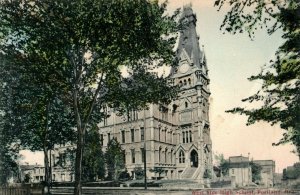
240, 171
267, 172
175, 137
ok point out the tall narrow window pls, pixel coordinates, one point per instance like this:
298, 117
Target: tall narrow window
132, 135
123, 136
189, 81
143, 154
108, 137
181, 157
166, 155
187, 137
142, 134
186, 104
183, 137
159, 155
165, 135
132, 156
171, 156
191, 136
158, 133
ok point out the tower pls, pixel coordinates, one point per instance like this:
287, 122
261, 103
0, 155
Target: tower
192, 104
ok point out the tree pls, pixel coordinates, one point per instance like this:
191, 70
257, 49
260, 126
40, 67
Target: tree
157, 170
139, 172
256, 171
84, 44
35, 116
223, 164
114, 158
280, 91
93, 158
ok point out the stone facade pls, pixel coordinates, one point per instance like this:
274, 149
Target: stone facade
240, 171
176, 137
267, 172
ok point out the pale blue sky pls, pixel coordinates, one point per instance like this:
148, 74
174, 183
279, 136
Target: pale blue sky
231, 60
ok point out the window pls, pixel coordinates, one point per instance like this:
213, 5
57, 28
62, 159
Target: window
108, 137
171, 156
183, 137
132, 135
132, 156
180, 83
189, 81
186, 104
158, 133
166, 135
166, 152
187, 137
143, 154
184, 82
142, 134
159, 155
101, 139
191, 137
181, 157
133, 115
123, 136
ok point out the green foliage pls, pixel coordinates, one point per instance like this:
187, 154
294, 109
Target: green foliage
77, 48
280, 91
93, 158
207, 174
292, 172
27, 178
114, 158
256, 171
139, 172
223, 164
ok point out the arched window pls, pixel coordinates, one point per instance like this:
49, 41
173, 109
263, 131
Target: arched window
184, 82
180, 83
181, 157
187, 137
191, 137
183, 137
159, 155
189, 81
166, 151
186, 104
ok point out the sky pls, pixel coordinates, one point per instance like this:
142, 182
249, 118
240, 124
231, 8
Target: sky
231, 59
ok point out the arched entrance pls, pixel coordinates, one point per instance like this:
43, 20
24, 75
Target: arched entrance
194, 158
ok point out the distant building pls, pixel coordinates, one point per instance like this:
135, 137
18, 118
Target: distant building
240, 171
36, 173
267, 172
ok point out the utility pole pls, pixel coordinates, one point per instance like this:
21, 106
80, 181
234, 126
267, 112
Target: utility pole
145, 165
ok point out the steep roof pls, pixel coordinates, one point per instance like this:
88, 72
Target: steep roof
188, 39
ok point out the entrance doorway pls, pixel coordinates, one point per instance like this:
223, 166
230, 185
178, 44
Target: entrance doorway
194, 158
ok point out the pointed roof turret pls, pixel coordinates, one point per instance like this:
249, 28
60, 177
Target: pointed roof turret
188, 40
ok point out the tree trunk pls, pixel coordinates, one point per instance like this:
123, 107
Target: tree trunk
79, 147
46, 164
78, 162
